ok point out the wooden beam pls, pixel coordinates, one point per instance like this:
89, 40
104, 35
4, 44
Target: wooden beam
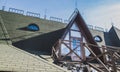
54, 52
117, 54
72, 50
113, 62
97, 58
82, 48
74, 30
93, 66
57, 45
59, 48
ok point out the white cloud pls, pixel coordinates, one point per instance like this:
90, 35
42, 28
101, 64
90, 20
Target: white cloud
103, 16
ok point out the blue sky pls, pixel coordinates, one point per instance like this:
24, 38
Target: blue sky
95, 12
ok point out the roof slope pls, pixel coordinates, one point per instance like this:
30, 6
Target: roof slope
49, 32
114, 34
29, 41
14, 59
42, 42
13, 22
98, 33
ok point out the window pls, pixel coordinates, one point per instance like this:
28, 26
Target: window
98, 38
33, 27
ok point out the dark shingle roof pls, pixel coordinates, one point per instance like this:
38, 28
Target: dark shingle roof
117, 32
114, 36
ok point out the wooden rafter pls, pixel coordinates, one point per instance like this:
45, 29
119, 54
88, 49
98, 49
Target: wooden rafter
107, 57
97, 58
72, 50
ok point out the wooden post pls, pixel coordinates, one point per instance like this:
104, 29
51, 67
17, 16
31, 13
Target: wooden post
105, 55
113, 62
82, 49
59, 48
91, 65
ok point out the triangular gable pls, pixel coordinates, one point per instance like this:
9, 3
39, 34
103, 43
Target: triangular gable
84, 29
114, 34
76, 33
73, 39
77, 18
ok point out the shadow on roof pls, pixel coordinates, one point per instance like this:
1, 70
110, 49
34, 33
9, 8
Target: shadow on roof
41, 44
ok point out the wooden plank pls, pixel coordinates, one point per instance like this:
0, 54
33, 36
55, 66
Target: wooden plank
98, 58
74, 30
72, 50
117, 54
113, 62
59, 48
93, 66
54, 53
104, 53
82, 48
57, 45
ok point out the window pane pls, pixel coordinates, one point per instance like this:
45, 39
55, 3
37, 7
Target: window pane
75, 27
75, 34
64, 49
67, 36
